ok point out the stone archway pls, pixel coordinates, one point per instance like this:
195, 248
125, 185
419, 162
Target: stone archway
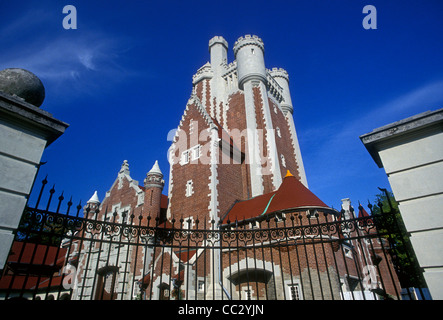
251, 280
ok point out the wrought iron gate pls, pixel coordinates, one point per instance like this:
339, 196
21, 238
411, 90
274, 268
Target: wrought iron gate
305, 253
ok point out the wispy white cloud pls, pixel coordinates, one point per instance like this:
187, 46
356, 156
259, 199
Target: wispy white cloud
63, 58
334, 154
426, 97
83, 60
86, 59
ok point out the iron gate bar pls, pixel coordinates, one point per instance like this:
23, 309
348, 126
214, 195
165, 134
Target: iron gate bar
205, 251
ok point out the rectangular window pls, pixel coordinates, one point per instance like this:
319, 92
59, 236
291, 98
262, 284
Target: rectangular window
185, 157
283, 160
280, 216
254, 225
189, 188
246, 293
201, 285
125, 216
188, 223
196, 152
294, 291
106, 284
136, 290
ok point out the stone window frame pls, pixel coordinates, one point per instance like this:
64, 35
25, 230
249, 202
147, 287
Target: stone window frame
201, 285
277, 129
196, 152
283, 160
188, 223
247, 292
191, 154
185, 157
297, 290
189, 188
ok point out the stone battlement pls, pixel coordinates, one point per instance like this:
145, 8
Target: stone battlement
218, 39
205, 72
279, 72
248, 40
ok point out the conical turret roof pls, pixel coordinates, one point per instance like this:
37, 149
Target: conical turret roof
94, 198
155, 169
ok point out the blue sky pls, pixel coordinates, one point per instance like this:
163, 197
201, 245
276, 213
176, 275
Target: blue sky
123, 77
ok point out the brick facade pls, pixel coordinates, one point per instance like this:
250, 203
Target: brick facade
183, 205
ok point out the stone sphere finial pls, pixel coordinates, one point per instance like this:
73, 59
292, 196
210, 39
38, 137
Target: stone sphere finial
23, 84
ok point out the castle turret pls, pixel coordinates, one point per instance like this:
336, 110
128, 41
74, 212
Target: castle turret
218, 49
154, 184
281, 76
252, 79
249, 52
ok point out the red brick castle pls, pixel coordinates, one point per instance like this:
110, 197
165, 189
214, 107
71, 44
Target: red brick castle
235, 157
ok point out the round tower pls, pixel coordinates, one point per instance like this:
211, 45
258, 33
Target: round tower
154, 184
281, 76
218, 49
249, 52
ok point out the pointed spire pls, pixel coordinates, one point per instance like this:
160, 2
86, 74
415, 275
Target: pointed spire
289, 174
94, 198
155, 168
154, 178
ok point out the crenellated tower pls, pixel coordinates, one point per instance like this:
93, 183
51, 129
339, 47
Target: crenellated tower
262, 154
249, 52
218, 51
236, 108
281, 76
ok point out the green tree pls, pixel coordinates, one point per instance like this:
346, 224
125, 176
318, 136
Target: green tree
41, 228
391, 225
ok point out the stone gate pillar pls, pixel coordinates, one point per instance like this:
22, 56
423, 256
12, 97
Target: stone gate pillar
25, 131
